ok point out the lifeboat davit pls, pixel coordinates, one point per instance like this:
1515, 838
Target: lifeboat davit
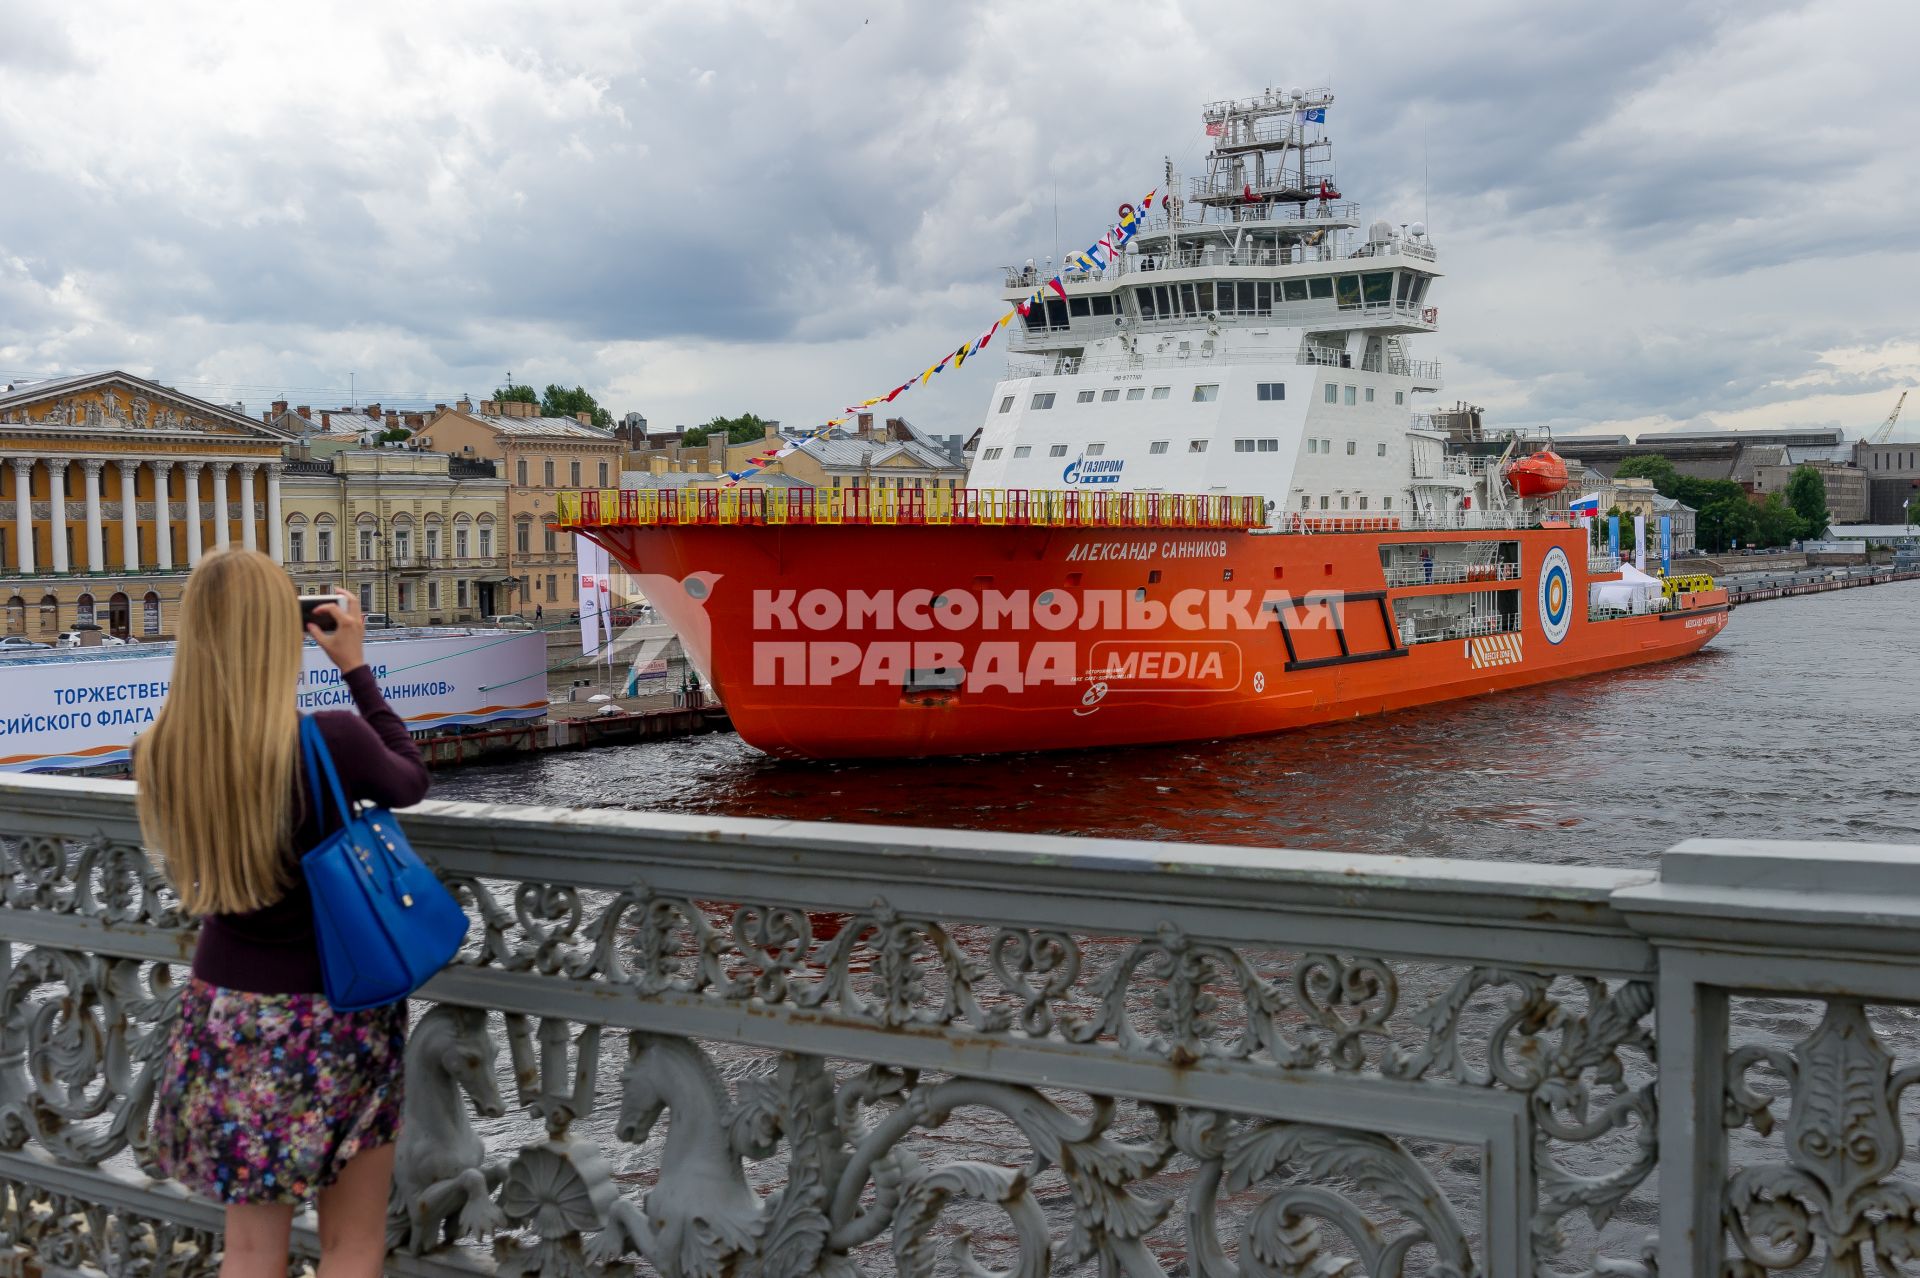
1537, 475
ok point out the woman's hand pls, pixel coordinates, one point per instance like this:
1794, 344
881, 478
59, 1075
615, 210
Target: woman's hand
346, 643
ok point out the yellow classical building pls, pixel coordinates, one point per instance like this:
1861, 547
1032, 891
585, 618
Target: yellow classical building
111, 488
417, 535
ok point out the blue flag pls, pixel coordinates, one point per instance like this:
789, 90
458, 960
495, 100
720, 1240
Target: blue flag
1613, 535
1318, 115
1666, 545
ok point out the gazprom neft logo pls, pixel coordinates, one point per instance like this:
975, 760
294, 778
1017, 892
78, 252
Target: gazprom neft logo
1093, 470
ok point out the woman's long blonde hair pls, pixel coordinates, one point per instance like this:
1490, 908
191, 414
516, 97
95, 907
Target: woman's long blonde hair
216, 769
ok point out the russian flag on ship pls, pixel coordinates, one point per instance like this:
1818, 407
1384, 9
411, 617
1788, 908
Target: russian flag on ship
1585, 507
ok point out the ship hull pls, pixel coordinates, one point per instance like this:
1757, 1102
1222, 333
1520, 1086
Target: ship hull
846, 641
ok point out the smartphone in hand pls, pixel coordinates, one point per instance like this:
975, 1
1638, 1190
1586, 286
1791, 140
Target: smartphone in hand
310, 614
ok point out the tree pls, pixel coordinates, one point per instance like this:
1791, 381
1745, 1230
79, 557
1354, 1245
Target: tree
1725, 521
1775, 523
515, 394
560, 402
1666, 479
743, 429
1913, 512
1807, 494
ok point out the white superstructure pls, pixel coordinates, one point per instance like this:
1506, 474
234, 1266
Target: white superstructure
1248, 341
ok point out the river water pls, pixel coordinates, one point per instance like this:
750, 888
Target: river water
1794, 724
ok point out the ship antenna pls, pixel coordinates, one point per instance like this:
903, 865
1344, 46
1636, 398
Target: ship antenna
1426, 209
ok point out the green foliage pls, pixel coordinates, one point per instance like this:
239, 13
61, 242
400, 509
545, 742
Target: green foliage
1651, 466
515, 394
1807, 494
1775, 522
560, 402
1725, 521
394, 435
1913, 513
743, 429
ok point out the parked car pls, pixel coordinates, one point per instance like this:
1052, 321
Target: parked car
379, 621
507, 621
20, 643
87, 634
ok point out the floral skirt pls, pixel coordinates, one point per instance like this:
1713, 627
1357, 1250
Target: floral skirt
263, 1098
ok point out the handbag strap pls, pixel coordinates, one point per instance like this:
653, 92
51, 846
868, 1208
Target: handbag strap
320, 761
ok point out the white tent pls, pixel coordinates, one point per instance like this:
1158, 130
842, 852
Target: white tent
1634, 592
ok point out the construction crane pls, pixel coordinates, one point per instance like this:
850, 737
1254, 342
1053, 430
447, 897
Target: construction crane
1886, 429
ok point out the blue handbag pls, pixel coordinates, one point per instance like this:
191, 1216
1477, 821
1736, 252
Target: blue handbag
385, 922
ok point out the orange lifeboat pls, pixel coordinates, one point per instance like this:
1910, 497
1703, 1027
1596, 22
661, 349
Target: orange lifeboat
1537, 475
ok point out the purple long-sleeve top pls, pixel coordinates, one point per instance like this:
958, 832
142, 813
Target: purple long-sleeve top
272, 950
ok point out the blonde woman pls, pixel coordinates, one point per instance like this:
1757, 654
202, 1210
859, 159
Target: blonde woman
268, 1098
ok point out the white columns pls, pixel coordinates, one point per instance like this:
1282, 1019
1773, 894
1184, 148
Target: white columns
249, 537
129, 515
96, 550
57, 490
276, 531
222, 522
192, 471
162, 515
23, 512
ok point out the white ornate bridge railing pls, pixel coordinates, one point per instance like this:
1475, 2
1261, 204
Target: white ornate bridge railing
692, 1046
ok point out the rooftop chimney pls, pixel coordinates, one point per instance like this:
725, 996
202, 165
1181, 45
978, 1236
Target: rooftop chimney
279, 407
583, 417
373, 410
489, 408
463, 405
305, 411
326, 420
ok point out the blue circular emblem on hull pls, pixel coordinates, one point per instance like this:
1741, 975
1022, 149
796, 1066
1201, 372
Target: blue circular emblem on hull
1556, 595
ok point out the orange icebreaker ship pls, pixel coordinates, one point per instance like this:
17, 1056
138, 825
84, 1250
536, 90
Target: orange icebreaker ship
1095, 584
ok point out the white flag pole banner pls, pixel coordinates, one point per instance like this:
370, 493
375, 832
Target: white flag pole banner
82, 710
1640, 542
603, 586
585, 556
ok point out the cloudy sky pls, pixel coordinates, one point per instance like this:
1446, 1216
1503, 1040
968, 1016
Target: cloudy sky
1651, 212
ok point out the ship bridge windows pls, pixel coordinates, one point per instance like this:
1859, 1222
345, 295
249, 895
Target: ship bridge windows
1006, 404
1294, 290
1320, 287
1042, 401
1376, 288
1271, 390
1346, 291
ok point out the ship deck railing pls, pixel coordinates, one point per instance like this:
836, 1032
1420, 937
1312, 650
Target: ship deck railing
753, 505
1027, 364
1438, 574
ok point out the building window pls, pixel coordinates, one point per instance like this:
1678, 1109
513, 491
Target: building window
1350, 395
1058, 450
1161, 392
433, 544
1006, 404
1136, 392
1108, 396
1022, 450
433, 595
520, 470
1333, 393
992, 454
547, 540
603, 474
403, 597
150, 614
402, 543
1380, 449
366, 543
1353, 447
1369, 394
1196, 445
459, 543
546, 467
573, 474
1399, 397
1095, 450
523, 537
297, 545
323, 539
486, 542
1206, 394
366, 596
1157, 447
552, 593
1042, 400
1084, 397
460, 592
